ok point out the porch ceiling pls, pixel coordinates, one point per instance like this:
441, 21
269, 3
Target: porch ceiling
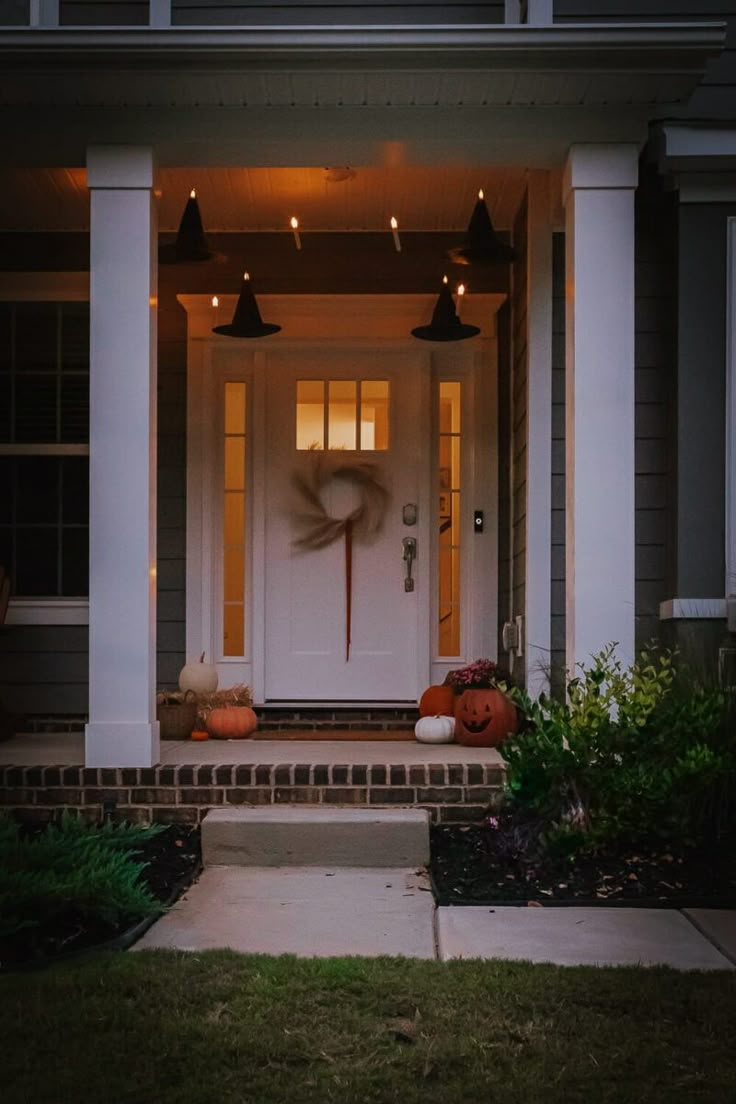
247, 199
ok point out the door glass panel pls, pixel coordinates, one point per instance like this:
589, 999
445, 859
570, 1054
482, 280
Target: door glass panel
234, 521
357, 415
342, 427
374, 415
310, 414
449, 497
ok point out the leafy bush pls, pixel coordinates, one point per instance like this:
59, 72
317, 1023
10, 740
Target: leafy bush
72, 869
632, 753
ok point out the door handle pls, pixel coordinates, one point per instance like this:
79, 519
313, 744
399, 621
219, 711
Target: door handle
409, 545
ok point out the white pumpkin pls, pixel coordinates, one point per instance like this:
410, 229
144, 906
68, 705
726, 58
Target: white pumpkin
200, 677
435, 730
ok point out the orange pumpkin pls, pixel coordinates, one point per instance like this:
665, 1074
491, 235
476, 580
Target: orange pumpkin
235, 722
437, 701
484, 718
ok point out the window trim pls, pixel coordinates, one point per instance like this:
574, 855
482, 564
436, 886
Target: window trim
45, 287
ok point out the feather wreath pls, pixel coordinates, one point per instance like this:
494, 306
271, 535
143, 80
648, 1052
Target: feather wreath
366, 520
320, 529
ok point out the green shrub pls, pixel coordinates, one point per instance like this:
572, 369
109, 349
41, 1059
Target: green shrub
71, 869
632, 753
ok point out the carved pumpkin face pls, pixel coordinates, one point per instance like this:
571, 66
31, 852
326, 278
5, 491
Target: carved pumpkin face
483, 718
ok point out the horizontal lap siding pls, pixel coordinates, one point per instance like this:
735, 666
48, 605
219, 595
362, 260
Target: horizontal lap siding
14, 13
557, 657
319, 12
655, 376
641, 11
103, 13
504, 469
519, 410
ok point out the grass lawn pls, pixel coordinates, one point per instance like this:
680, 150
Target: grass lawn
170, 1028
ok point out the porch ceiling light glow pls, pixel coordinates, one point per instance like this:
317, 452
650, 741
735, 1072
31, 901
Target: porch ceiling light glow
445, 324
191, 243
481, 244
247, 321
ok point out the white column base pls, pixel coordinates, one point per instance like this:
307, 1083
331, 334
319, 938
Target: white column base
121, 744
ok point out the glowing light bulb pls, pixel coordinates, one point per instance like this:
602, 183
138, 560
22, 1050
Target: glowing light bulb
246, 276
480, 193
395, 231
461, 289
215, 301
444, 279
294, 223
193, 193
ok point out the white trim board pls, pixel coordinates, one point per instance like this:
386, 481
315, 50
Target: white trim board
693, 609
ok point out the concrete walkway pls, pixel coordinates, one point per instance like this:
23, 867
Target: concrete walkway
303, 910
322, 911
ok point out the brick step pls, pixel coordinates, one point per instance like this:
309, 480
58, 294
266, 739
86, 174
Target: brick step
273, 718
315, 836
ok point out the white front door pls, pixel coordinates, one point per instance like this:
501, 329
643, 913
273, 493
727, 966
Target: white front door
343, 383
340, 624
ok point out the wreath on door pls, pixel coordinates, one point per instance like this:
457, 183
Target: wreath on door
320, 529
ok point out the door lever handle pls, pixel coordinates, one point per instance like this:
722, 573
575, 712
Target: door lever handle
409, 545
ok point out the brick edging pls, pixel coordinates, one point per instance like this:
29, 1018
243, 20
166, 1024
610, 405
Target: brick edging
452, 792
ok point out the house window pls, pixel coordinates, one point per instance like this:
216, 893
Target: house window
342, 415
234, 521
44, 447
448, 492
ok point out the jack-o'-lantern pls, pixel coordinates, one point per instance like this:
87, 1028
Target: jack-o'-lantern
484, 718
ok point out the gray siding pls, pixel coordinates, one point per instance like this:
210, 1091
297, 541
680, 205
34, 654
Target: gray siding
641, 11
103, 13
43, 669
305, 12
557, 628
655, 358
504, 470
715, 97
14, 13
519, 423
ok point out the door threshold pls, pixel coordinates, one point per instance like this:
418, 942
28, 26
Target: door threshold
320, 703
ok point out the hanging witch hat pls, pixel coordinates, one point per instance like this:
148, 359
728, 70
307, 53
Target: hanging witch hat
445, 324
191, 243
247, 321
481, 244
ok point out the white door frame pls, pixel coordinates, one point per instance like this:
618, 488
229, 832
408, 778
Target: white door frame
308, 321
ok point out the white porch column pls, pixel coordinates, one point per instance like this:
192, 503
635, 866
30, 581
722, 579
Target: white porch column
598, 193
122, 729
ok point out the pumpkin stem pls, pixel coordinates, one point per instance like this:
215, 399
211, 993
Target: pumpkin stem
201, 658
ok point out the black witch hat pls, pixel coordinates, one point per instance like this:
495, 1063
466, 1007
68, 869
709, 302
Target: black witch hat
191, 243
247, 321
481, 244
445, 324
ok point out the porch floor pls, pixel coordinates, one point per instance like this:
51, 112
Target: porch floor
67, 749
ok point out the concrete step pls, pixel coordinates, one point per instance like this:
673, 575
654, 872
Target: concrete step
314, 836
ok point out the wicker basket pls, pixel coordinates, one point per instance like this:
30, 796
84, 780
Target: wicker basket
177, 719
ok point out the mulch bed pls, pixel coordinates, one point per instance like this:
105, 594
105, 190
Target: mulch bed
480, 866
174, 860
